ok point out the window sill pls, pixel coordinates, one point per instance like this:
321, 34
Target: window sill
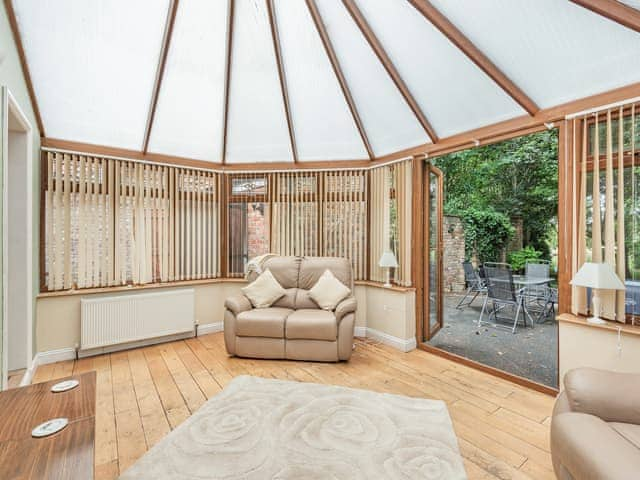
186, 283
610, 326
128, 288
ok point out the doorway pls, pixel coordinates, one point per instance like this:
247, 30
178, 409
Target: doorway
490, 263
17, 246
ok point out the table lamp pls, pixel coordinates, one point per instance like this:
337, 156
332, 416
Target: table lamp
597, 276
388, 261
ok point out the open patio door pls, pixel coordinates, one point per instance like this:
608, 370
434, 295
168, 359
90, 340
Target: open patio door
433, 204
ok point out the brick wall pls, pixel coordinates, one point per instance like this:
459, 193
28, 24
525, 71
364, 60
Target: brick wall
453, 254
257, 231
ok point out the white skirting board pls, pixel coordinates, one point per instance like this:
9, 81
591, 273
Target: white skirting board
395, 342
42, 358
210, 328
52, 356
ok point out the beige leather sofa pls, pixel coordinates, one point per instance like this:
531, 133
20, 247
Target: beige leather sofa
595, 428
294, 327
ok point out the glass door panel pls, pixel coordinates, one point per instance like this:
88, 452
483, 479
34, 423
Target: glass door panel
433, 258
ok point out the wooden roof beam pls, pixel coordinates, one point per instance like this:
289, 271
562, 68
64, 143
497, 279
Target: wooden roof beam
375, 44
166, 42
275, 37
337, 70
13, 23
613, 10
227, 82
456, 37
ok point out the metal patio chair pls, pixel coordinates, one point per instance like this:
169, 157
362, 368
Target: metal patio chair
475, 285
550, 302
538, 295
502, 294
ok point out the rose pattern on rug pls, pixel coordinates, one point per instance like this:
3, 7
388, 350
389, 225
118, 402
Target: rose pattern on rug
260, 428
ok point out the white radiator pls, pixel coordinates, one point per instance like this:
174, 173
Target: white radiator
129, 318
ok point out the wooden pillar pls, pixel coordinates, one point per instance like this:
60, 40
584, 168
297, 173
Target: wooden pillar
566, 219
417, 234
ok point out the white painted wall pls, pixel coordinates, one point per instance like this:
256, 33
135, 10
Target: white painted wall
11, 76
18, 294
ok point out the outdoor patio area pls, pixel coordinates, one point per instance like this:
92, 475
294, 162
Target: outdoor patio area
530, 352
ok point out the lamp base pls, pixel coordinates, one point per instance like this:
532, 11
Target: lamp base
596, 321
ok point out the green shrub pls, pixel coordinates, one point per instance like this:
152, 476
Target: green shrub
486, 232
519, 258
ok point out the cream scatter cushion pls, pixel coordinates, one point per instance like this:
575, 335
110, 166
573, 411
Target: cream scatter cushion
328, 291
264, 290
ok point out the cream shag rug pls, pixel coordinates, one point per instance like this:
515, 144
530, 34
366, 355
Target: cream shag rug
258, 429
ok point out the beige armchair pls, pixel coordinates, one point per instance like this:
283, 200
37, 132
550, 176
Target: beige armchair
294, 327
595, 428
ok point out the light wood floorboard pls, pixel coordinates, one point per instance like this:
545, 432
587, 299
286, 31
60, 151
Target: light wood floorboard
142, 394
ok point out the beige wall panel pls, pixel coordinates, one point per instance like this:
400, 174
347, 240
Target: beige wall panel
58, 318
387, 311
598, 348
391, 312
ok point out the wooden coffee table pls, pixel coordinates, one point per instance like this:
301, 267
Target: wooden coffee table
67, 454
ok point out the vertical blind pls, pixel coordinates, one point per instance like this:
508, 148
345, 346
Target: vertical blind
607, 230
114, 222
380, 222
110, 222
391, 191
313, 213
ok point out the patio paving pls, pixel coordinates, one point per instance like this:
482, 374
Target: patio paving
529, 353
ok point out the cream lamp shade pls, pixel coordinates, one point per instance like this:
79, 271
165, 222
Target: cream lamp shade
598, 276
388, 260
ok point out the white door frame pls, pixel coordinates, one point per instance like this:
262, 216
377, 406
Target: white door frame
9, 103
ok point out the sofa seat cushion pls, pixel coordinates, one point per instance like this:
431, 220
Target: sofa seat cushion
312, 324
262, 322
629, 431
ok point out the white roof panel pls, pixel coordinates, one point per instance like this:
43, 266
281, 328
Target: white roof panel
323, 126
554, 50
257, 130
434, 65
388, 121
190, 110
93, 66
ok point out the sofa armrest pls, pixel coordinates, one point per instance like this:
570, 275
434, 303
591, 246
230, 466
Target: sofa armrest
611, 396
348, 305
574, 439
238, 304
562, 404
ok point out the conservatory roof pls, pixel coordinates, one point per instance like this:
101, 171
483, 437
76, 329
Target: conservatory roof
237, 81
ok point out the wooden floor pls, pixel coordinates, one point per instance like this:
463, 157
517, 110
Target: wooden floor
502, 428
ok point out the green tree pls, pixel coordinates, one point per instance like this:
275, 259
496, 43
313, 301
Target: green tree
487, 232
517, 177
